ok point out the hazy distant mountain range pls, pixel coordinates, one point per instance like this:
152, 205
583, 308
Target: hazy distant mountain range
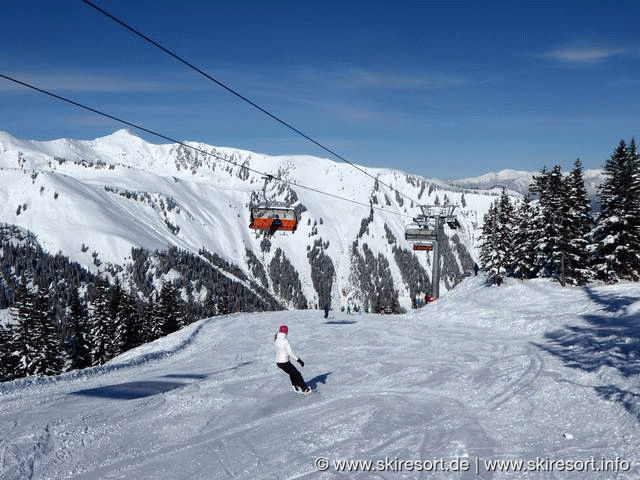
519, 180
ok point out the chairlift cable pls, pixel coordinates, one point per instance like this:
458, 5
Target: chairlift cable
199, 150
242, 97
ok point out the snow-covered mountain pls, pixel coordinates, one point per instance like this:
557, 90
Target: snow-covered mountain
95, 200
519, 181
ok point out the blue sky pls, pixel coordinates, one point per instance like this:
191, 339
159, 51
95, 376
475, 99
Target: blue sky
441, 89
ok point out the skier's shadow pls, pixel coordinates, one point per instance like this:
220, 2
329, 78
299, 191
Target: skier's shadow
130, 390
313, 383
611, 340
148, 388
208, 374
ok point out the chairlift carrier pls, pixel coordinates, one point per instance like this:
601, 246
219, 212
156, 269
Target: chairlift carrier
273, 217
418, 233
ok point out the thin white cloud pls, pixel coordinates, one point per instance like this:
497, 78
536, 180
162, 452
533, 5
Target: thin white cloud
358, 78
89, 82
627, 82
585, 54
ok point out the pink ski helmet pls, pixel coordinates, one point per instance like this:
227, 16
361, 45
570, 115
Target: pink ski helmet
283, 329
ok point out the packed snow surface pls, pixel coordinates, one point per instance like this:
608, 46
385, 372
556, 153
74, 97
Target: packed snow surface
526, 371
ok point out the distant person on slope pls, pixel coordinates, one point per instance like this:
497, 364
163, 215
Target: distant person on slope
284, 355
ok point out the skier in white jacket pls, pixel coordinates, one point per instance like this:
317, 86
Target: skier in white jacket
284, 355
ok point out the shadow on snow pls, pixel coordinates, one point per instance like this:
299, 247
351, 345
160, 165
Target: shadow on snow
313, 383
130, 390
606, 341
202, 376
148, 388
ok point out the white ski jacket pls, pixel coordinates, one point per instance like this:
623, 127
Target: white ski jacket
284, 353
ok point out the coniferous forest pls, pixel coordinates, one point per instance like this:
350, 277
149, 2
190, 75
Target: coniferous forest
553, 232
65, 318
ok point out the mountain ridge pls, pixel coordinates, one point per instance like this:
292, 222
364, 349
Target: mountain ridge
520, 180
95, 200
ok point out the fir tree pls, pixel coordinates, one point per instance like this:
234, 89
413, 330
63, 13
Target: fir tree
8, 361
488, 227
210, 304
36, 343
150, 329
100, 327
168, 309
118, 338
634, 200
579, 225
77, 342
550, 228
49, 356
224, 304
617, 232
524, 240
496, 253
129, 325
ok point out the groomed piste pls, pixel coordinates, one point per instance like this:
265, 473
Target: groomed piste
523, 372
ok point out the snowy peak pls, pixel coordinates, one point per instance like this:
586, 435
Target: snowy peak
124, 135
520, 180
95, 200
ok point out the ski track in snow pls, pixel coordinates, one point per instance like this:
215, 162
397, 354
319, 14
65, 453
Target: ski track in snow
471, 376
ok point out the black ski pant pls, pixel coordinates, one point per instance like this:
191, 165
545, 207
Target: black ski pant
294, 375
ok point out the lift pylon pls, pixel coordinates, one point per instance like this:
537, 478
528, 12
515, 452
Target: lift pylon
429, 226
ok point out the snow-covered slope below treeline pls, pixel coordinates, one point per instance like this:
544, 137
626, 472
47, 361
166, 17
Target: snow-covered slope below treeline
520, 180
526, 372
95, 200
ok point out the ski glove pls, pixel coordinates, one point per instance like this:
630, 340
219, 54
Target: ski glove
301, 362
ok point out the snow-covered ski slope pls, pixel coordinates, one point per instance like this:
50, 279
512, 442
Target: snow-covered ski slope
527, 371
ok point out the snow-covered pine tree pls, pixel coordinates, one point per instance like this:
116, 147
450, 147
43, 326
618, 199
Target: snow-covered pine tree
488, 227
551, 224
210, 304
224, 302
496, 253
149, 329
22, 347
634, 197
128, 321
537, 190
169, 309
8, 361
118, 339
36, 343
100, 326
77, 341
524, 240
49, 355
578, 228
617, 233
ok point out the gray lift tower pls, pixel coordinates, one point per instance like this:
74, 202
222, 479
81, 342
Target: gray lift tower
428, 230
